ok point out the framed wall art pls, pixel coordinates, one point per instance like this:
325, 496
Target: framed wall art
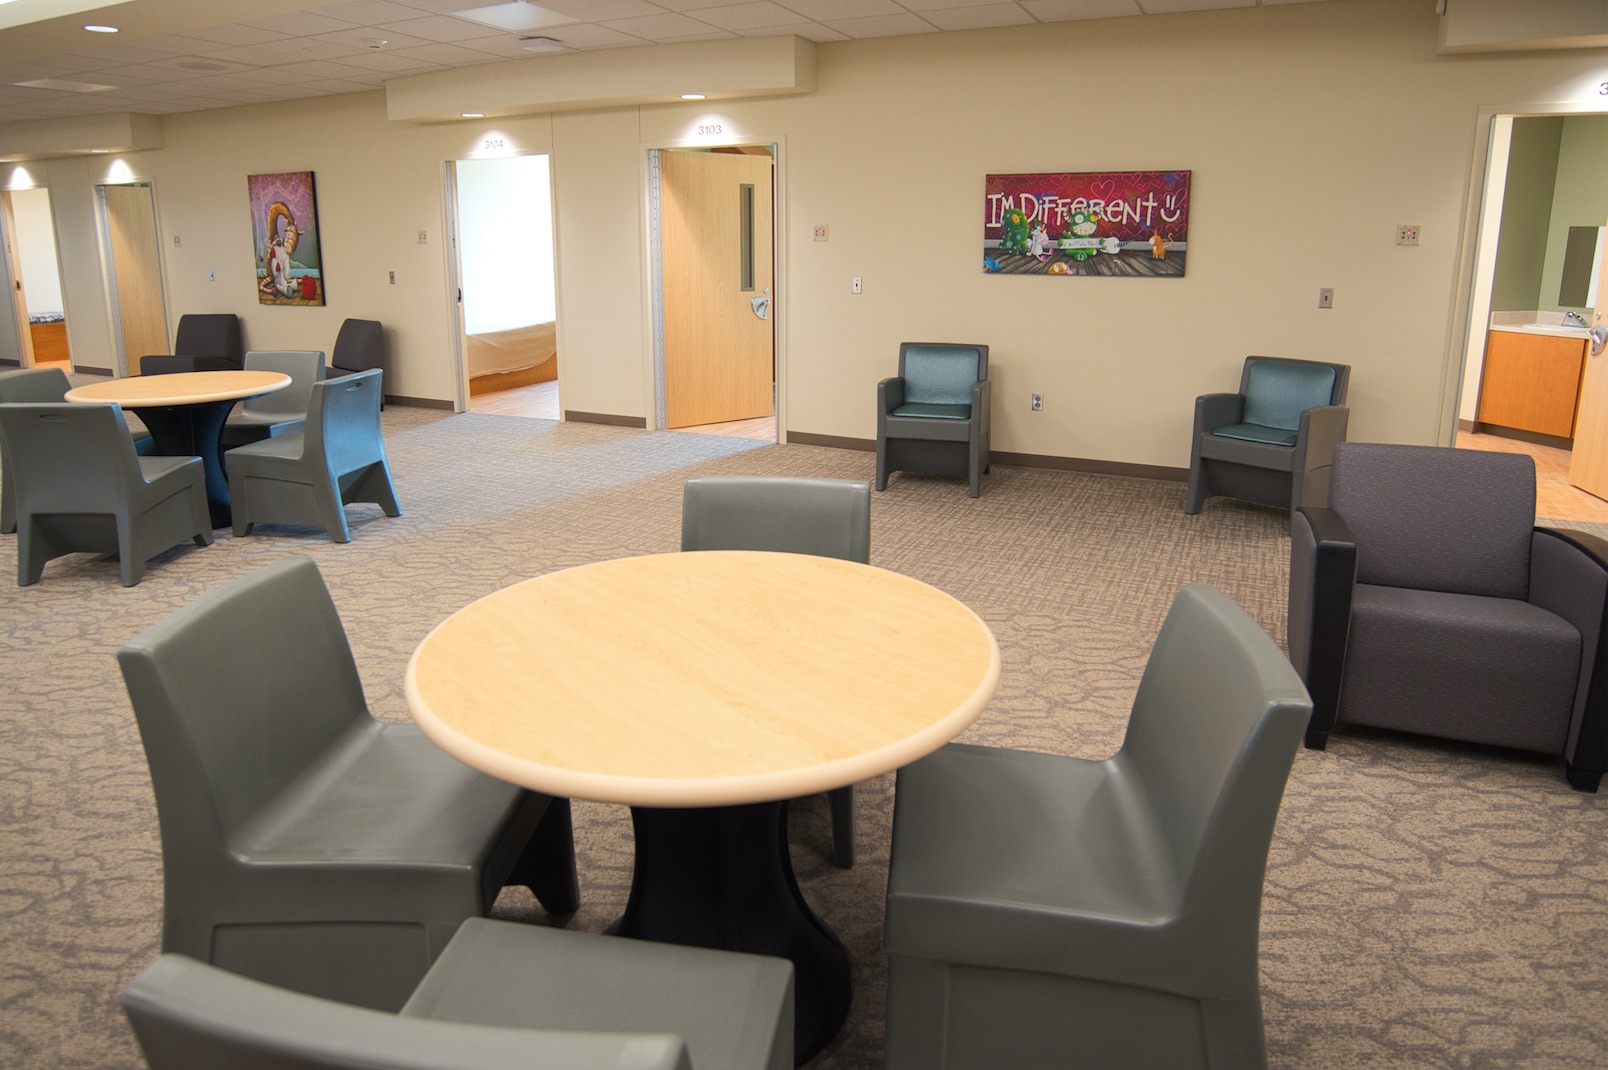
284, 228
1113, 223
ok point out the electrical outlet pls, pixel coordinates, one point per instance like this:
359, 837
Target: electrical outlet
1038, 401
176, 241
855, 286
1407, 233
393, 278
212, 275
1326, 298
424, 238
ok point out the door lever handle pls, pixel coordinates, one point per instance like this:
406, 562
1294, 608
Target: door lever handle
761, 306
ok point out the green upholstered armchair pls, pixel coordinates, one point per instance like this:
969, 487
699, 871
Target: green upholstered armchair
933, 416
1273, 441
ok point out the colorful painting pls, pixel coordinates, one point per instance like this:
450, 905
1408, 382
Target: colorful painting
1117, 223
284, 229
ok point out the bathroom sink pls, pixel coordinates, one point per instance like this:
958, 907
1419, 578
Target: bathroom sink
1556, 329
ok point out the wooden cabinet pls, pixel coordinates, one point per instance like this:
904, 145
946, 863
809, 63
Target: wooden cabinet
1531, 382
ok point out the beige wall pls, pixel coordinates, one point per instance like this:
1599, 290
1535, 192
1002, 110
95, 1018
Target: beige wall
1311, 131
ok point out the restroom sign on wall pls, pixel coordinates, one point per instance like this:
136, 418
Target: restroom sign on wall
1114, 223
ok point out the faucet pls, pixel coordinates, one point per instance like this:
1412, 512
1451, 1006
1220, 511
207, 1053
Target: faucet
1573, 319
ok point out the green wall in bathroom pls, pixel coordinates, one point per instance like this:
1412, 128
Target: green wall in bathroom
1526, 214
1579, 197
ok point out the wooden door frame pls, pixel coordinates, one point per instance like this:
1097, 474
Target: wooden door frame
653, 283
12, 278
1471, 290
103, 237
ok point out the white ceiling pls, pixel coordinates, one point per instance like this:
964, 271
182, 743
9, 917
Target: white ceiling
192, 55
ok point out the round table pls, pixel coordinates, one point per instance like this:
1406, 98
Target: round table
185, 413
704, 690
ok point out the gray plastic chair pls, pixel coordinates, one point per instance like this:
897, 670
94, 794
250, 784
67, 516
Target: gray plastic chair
934, 415
1047, 911
1426, 600
309, 476
81, 488
824, 517
502, 996
267, 415
28, 386
1274, 440
304, 843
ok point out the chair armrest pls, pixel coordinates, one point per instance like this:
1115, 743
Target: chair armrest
1323, 573
982, 396
1569, 577
890, 394
1321, 430
1217, 410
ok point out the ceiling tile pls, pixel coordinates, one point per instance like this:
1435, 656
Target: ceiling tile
977, 18
1067, 10
748, 16
286, 50
660, 27
301, 23
447, 55
810, 31
831, 10
882, 25
232, 35
601, 10
360, 36
440, 28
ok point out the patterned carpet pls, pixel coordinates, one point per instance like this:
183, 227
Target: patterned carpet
1428, 905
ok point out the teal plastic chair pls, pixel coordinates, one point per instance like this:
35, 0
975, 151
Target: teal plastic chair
309, 476
934, 415
1047, 911
80, 488
1273, 442
304, 843
502, 996
29, 386
282, 411
824, 517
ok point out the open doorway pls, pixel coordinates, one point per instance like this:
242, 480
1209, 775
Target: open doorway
36, 279
1537, 260
508, 301
714, 213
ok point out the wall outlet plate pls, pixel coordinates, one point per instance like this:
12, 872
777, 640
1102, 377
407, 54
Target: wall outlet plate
1407, 233
820, 233
1038, 401
1326, 298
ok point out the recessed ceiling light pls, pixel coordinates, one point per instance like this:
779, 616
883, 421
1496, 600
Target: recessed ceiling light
97, 28
98, 151
472, 114
692, 96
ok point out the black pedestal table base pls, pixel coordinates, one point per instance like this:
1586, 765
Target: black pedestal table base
195, 431
721, 877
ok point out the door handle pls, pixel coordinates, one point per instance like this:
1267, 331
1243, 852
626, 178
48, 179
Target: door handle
761, 306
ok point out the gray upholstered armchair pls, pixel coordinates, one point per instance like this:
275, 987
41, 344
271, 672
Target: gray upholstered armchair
1424, 599
1271, 442
933, 416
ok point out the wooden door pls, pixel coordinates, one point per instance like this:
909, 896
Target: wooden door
719, 354
1588, 462
140, 317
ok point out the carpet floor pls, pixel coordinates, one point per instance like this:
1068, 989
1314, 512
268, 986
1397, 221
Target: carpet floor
1427, 905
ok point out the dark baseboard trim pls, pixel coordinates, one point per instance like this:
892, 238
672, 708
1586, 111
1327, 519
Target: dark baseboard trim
1016, 460
1471, 426
92, 371
1091, 466
605, 418
1534, 438
417, 403
836, 442
6, 362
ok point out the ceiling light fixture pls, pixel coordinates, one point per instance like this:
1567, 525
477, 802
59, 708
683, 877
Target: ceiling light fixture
472, 115
97, 28
692, 96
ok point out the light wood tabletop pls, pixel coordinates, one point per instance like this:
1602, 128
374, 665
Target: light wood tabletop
180, 388
711, 678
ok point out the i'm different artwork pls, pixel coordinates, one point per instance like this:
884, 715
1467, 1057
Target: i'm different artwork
1113, 223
